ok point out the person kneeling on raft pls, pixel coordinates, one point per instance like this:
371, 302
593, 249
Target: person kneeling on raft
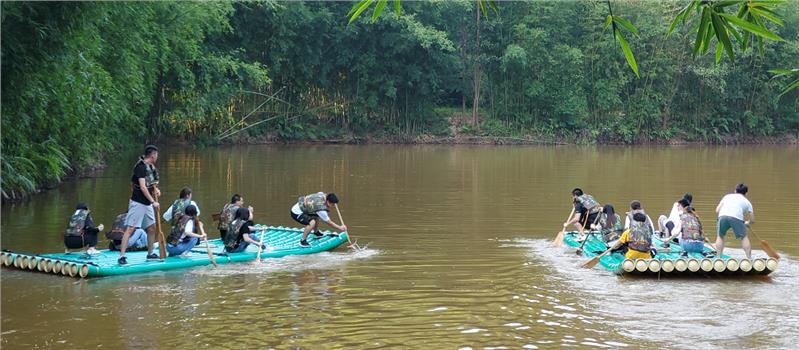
638, 239
238, 235
688, 229
137, 240
183, 235
80, 232
310, 209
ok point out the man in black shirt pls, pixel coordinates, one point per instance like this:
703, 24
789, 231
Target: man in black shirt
141, 206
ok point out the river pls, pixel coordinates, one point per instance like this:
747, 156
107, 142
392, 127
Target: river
458, 255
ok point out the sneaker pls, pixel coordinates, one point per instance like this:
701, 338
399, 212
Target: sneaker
304, 243
318, 234
153, 256
92, 251
122, 261
334, 235
684, 254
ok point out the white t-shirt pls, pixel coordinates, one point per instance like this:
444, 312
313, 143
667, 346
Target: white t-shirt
189, 228
168, 214
322, 213
735, 205
628, 220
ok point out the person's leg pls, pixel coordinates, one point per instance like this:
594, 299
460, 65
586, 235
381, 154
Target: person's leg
222, 234
136, 213
90, 240
311, 225
747, 246
150, 239
125, 237
721, 229
149, 222
662, 223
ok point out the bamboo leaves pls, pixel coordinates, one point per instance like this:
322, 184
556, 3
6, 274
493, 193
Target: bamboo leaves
748, 22
619, 23
790, 73
362, 5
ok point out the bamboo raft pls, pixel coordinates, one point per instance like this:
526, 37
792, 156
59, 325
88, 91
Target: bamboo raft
283, 241
671, 262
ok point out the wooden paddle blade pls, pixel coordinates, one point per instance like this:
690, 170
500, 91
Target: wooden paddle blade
769, 250
558, 241
591, 263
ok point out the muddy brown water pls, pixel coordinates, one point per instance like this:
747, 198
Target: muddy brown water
458, 254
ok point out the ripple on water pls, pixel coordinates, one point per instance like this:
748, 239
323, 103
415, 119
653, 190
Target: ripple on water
743, 313
291, 263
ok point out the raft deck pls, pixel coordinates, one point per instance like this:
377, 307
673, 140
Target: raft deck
671, 262
282, 241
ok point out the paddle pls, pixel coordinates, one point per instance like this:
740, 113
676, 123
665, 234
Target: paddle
260, 247
767, 247
580, 250
207, 245
559, 238
340, 218
595, 260
161, 238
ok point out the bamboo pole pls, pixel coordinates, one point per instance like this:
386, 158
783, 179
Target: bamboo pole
772, 264
706, 265
693, 265
628, 265
654, 265
667, 266
759, 265
732, 265
719, 265
746, 265
641, 265
680, 265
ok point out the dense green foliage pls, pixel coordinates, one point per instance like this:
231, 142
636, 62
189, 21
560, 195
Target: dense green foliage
81, 79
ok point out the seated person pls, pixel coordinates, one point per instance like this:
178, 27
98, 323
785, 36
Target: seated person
638, 239
609, 224
238, 234
183, 235
137, 241
688, 230
80, 232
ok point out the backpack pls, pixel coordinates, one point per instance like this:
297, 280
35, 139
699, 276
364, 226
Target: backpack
178, 209
312, 203
177, 230
227, 215
117, 228
77, 223
232, 236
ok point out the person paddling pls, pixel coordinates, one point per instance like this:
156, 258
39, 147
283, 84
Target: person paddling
80, 232
183, 235
609, 225
310, 209
228, 213
141, 205
688, 229
586, 210
638, 238
731, 211
239, 231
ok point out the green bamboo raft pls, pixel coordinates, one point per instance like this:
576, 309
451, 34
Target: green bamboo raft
671, 262
282, 241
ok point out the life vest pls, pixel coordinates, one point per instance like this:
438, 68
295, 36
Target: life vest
177, 230
232, 236
589, 203
610, 232
76, 223
640, 238
691, 228
634, 223
312, 203
227, 215
118, 227
151, 177
178, 208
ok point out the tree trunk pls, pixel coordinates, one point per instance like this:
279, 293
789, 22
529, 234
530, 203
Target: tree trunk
476, 101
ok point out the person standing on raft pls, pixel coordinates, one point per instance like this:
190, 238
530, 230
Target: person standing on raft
141, 205
586, 210
310, 209
731, 211
80, 232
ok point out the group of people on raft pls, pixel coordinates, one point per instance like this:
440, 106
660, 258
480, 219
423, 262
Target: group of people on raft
634, 237
135, 229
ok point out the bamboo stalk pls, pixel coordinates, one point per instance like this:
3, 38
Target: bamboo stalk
681, 265
84, 271
667, 266
759, 265
628, 265
641, 265
746, 265
694, 265
732, 265
654, 265
719, 265
706, 265
772, 264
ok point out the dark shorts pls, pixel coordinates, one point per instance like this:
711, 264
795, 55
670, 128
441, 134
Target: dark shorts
304, 219
727, 222
78, 242
591, 220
